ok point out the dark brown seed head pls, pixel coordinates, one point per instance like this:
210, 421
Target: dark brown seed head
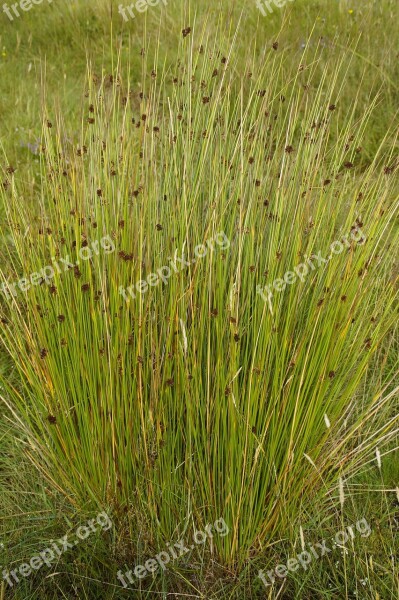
275, 45
51, 419
186, 31
332, 107
236, 337
85, 287
61, 318
43, 353
91, 120
331, 374
159, 227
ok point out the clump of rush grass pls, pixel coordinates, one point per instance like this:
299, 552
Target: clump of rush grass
197, 399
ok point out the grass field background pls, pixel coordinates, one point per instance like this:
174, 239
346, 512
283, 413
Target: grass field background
197, 400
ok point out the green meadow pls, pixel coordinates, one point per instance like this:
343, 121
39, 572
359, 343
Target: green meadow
199, 300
